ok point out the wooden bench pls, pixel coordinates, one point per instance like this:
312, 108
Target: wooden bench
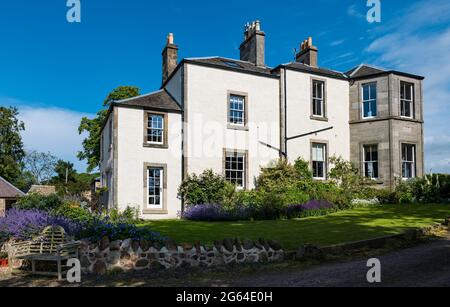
50, 246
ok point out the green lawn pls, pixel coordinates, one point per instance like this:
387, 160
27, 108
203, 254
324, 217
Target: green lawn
341, 227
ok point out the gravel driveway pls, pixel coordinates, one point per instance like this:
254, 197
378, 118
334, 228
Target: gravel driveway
426, 265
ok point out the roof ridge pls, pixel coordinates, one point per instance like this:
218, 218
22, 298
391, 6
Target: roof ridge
136, 97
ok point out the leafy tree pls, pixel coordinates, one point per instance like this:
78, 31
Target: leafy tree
40, 165
11, 146
91, 145
65, 172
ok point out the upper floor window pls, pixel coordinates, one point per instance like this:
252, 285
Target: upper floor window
369, 98
155, 130
318, 98
235, 168
236, 115
319, 161
408, 161
370, 155
407, 99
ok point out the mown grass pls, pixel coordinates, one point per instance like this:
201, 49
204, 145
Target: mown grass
345, 226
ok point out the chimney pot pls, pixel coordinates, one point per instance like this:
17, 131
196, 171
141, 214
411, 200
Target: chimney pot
170, 39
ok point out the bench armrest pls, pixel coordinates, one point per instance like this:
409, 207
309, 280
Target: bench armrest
68, 248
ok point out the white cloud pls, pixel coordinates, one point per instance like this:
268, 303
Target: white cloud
409, 45
337, 43
50, 129
353, 11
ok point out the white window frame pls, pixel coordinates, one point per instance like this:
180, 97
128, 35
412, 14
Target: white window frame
318, 85
149, 129
154, 187
403, 86
243, 171
371, 162
324, 159
411, 162
231, 109
370, 100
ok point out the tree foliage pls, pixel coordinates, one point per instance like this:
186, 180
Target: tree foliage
11, 146
40, 165
65, 172
91, 144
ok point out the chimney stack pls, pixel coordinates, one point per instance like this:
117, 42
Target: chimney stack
170, 58
308, 53
253, 47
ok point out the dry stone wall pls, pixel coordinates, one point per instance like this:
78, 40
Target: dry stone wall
104, 256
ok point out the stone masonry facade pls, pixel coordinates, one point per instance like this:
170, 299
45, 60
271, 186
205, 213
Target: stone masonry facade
388, 129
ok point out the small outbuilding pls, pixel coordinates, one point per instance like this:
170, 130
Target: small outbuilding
8, 195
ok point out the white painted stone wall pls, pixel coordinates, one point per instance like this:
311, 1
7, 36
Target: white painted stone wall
131, 158
207, 116
107, 158
299, 120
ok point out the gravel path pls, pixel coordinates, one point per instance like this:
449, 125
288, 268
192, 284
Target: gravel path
426, 265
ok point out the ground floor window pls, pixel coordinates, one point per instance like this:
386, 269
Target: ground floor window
155, 187
235, 168
408, 161
319, 158
370, 155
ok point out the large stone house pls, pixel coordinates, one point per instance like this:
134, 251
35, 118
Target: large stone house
236, 116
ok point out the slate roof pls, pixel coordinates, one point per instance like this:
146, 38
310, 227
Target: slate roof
231, 64
7, 190
364, 71
316, 70
160, 100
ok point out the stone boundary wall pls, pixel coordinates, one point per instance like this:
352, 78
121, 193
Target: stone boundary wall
127, 255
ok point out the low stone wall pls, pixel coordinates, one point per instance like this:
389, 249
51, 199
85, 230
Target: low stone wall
104, 256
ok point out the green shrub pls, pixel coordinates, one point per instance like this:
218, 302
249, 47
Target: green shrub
129, 215
384, 196
277, 176
294, 195
346, 176
208, 188
39, 202
73, 212
270, 207
303, 170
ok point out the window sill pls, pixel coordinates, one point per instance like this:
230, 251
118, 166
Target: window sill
318, 118
239, 128
159, 146
155, 211
369, 118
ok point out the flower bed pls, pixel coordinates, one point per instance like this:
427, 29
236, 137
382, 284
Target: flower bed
22, 225
214, 212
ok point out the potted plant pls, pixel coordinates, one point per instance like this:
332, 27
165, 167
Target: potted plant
3, 260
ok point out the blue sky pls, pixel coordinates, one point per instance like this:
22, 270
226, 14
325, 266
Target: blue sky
56, 72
